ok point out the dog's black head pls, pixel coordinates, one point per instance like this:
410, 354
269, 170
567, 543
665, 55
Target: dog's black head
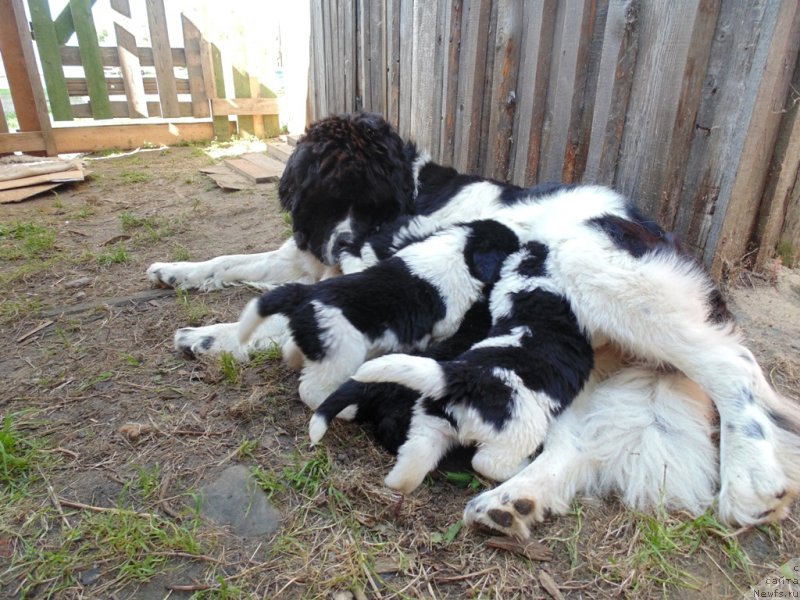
347, 177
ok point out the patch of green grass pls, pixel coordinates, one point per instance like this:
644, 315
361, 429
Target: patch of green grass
194, 309
230, 368
84, 212
133, 176
148, 481
115, 255
787, 253
306, 477
131, 360
247, 449
268, 481
12, 309
446, 538
464, 479
99, 378
180, 254
267, 355
17, 455
26, 240
131, 221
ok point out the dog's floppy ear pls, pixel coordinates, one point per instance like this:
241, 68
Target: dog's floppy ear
488, 245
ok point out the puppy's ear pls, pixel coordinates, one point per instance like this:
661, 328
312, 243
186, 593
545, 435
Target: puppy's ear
488, 245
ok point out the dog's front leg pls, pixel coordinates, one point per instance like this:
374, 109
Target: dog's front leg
192, 342
263, 270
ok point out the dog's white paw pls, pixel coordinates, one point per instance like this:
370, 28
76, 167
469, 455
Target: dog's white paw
509, 509
755, 488
183, 275
192, 342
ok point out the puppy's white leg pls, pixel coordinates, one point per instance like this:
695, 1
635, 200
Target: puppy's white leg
263, 270
499, 462
428, 440
224, 337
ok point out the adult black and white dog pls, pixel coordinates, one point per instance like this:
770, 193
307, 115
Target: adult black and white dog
353, 178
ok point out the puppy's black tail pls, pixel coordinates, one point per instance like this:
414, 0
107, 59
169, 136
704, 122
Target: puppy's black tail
346, 396
281, 300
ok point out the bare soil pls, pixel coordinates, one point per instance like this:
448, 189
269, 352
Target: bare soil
104, 392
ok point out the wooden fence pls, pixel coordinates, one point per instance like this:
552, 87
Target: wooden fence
165, 94
689, 107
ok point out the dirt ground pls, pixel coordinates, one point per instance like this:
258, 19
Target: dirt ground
121, 432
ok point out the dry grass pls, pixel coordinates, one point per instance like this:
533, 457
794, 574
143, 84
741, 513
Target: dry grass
124, 433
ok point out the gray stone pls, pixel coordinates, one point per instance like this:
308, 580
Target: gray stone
235, 499
79, 282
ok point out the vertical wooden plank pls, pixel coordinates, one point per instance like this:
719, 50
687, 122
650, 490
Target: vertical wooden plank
425, 89
654, 100
684, 127
194, 66
50, 58
318, 62
615, 77
329, 32
348, 27
406, 66
393, 57
724, 132
534, 73
19, 61
162, 55
130, 66
568, 75
64, 24
481, 163
782, 177
790, 236
364, 83
377, 56
472, 70
502, 106
3, 122
241, 89
90, 57
452, 35
214, 76
774, 59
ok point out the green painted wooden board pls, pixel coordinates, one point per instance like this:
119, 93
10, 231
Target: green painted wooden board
50, 56
90, 56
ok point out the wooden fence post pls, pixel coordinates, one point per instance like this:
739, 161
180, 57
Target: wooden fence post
129, 63
50, 57
162, 55
90, 57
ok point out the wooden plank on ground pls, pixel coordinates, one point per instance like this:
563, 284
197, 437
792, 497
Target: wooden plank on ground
20, 194
279, 151
50, 59
254, 172
534, 72
90, 57
58, 178
162, 56
130, 66
91, 138
617, 62
265, 162
194, 66
19, 62
227, 179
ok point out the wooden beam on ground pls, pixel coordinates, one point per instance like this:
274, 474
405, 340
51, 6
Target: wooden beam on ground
162, 56
90, 57
53, 71
129, 63
194, 66
19, 61
112, 136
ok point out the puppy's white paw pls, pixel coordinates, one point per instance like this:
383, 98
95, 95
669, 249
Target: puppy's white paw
183, 275
755, 488
508, 509
192, 342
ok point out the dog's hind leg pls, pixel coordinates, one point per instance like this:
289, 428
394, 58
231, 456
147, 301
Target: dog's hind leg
659, 307
192, 342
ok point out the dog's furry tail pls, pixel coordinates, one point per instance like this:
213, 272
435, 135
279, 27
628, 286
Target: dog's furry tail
425, 375
346, 396
281, 300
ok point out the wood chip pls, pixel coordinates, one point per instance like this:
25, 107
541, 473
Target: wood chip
549, 585
113, 240
530, 548
35, 330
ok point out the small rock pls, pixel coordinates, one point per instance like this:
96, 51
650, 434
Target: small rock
80, 296
235, 499
79, 282
91, 576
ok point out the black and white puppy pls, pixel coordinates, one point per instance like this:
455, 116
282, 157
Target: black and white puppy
499, 396
418, 296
